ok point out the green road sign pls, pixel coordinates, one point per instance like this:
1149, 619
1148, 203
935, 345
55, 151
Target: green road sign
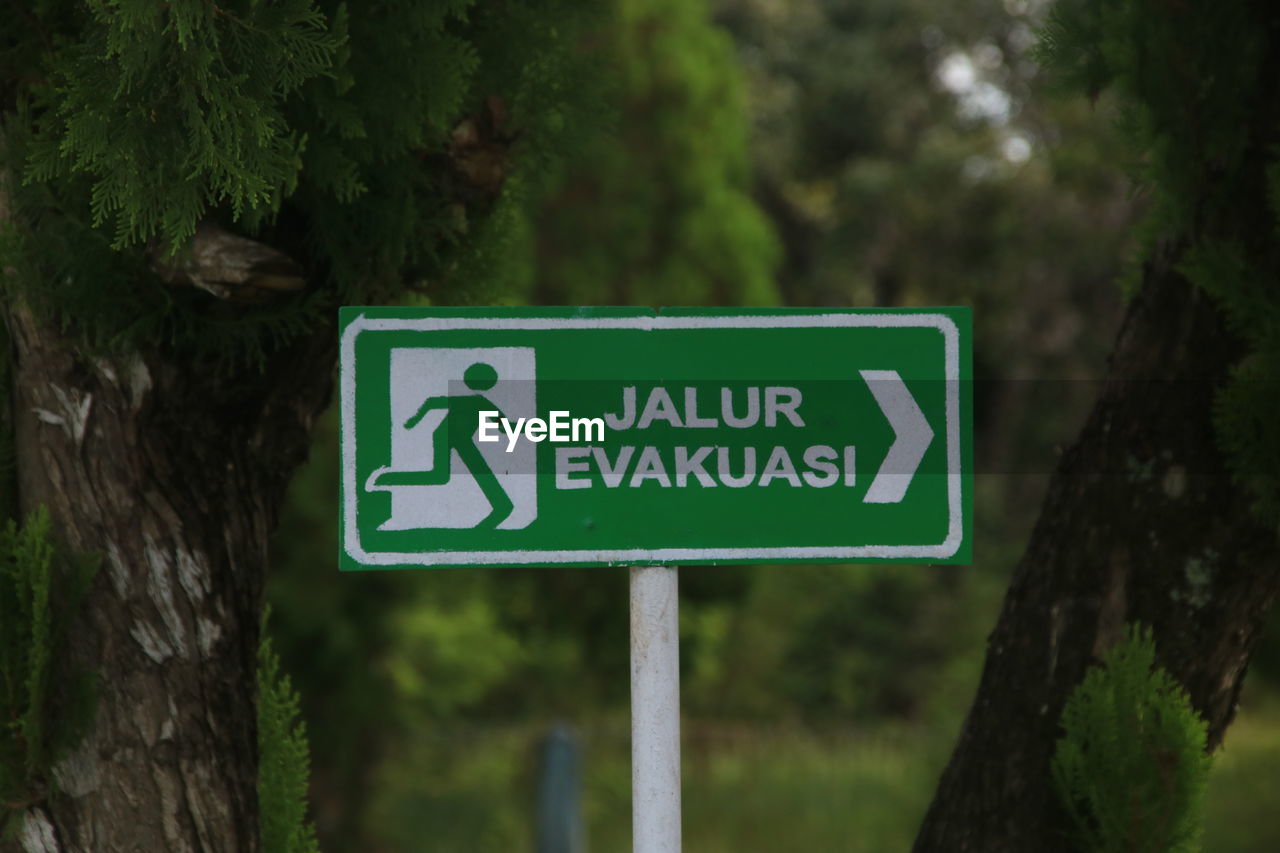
498, 437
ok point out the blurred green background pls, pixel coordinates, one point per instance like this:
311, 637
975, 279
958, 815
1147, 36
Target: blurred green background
761, 152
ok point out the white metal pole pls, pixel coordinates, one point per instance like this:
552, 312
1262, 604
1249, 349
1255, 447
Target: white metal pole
655, 710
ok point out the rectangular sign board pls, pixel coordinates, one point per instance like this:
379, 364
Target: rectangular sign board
604, 436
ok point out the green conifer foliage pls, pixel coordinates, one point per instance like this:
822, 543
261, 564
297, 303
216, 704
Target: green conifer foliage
283, 760
1131, 767
172, 108
33, 623
1197, 84
362, 142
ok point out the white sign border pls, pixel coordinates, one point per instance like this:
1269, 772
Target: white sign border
629, 556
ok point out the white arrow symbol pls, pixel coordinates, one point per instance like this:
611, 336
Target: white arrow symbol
911, 436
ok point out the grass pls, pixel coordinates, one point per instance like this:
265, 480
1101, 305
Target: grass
1242, 811
752, 789
796, 790
745, 789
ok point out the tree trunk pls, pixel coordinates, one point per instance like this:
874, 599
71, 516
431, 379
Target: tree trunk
1141, 524
173, 474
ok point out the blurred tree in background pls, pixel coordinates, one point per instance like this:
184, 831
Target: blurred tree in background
659, 212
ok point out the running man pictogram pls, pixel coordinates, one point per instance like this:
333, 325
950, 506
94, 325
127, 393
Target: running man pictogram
456, 432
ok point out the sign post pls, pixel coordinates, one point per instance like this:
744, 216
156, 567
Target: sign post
655, 710
628, 437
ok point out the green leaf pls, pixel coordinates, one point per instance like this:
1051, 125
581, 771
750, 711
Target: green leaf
1131, 767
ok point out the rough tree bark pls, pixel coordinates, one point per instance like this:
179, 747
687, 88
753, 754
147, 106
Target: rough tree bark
1141, 524
174, 475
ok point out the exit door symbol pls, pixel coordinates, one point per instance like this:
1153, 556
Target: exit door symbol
439, 475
